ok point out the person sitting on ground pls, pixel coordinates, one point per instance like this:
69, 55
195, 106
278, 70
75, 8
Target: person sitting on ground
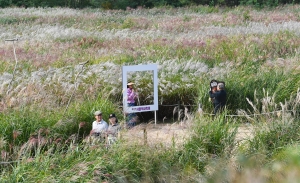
99, 126
219, 98
113, 129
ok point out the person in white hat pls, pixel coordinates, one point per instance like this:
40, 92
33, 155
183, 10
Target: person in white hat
213, 88
131, 94
99, 125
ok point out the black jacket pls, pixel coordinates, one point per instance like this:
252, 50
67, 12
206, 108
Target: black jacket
219, 97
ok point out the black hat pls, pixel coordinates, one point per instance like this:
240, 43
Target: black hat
112, 116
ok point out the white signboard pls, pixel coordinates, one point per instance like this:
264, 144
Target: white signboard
140, 108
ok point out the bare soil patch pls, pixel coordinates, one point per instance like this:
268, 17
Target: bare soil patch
245, 131
172, 134
159, 134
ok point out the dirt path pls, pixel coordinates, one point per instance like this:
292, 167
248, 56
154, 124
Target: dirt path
245, 131
173, 134
159, 134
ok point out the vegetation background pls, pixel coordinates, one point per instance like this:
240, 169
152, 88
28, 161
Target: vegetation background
123, 4
59, 65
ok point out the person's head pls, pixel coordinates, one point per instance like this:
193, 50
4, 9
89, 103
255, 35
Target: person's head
113, 119
98, 115
215, 88
213, 85
221, 86
130, 85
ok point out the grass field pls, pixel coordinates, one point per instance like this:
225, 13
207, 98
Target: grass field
64, 64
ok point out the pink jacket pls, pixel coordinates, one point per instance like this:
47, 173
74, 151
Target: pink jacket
130, 96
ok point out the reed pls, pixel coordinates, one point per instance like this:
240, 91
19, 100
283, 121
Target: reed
47, 113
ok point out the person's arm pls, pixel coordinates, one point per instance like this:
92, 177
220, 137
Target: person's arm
215, 94
211, 94
93, 126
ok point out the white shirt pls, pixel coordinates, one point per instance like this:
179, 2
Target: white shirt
100, 126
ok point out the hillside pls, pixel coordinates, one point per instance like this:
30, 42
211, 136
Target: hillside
59, 66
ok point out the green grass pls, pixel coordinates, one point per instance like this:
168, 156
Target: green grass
260, 72
17, 20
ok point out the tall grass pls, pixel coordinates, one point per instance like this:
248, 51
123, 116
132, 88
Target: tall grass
277, 125
209, 155
254, 52
128, 161
211, 138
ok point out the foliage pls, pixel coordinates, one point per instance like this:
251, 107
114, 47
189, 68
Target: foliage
123, 4
69, 64
275, 130
274, 137
211, 138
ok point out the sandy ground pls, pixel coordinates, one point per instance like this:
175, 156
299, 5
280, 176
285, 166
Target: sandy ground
172, 134
159, 134
245, 131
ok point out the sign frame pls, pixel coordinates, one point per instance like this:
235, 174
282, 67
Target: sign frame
140, 108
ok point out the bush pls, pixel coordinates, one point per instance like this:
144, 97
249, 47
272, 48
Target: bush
210, 139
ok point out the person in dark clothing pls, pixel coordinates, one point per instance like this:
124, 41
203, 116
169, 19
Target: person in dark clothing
218, 97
